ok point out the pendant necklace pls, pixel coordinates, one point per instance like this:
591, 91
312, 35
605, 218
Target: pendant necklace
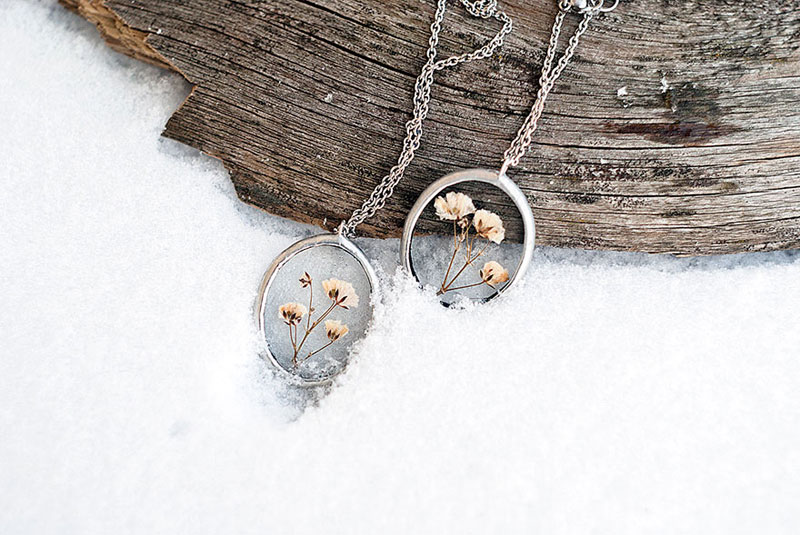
315, 298
469, 270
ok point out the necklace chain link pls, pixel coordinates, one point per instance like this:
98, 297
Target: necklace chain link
484, 9
551, 71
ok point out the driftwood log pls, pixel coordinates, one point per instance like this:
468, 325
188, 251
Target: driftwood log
675, 130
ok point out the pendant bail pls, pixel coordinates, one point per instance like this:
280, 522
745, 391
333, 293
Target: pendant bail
504, 168
342, 229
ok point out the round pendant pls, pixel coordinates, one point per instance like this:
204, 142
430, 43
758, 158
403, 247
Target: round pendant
314, 303
464, 254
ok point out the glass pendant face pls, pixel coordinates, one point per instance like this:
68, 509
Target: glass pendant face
464, 253
314, 303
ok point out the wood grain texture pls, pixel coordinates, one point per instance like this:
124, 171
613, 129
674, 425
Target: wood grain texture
305, 102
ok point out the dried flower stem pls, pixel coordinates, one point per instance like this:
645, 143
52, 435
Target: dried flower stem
470, 286
317, 351
294, 346
299, 347
310, 306
341, 294
447, 286
459, 208
456, 247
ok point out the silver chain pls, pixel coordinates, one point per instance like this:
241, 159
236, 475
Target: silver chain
551, 72
484, 9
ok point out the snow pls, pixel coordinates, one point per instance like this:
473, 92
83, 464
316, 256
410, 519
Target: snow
611, 393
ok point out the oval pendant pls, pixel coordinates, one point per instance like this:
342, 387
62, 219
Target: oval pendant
472, 261
314, 303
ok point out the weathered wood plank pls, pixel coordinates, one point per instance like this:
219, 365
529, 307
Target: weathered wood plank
305, 102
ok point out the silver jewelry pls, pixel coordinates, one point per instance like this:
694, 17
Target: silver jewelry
265, 320
501, 182
551, 71
295, 298
422, 97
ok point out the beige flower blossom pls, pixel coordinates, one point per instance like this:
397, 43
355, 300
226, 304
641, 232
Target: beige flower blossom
489, 225
493, 273
342, 293
335, 329
305, 280
453, 206
292, 313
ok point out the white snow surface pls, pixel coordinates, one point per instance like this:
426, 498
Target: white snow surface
611, 393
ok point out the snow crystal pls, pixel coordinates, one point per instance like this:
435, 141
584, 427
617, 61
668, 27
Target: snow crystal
609, 393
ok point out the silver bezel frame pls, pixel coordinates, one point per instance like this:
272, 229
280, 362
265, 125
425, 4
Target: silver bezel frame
320, 240
494, 178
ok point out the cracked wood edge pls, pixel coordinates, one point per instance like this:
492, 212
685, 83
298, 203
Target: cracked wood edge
708, 164
117, 34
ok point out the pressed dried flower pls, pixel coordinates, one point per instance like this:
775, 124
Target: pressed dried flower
335, 329
453, 206
292, 313
340, 292
493, 273
489, 225
305, 280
